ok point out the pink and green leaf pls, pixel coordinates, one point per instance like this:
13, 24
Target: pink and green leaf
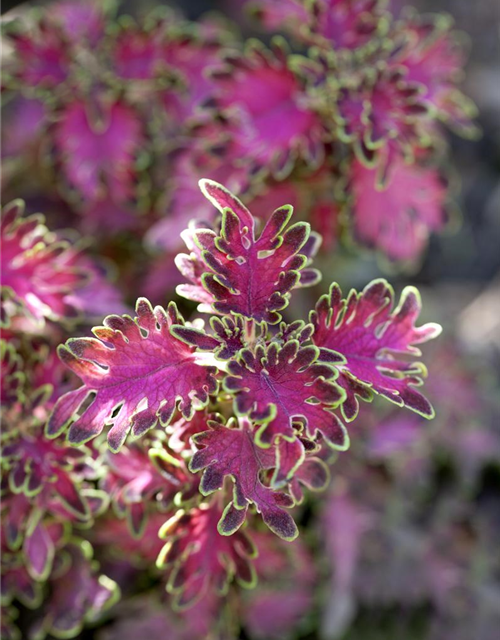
230, 451
287, 391
138, 373
370, 342
246, 275
199, 559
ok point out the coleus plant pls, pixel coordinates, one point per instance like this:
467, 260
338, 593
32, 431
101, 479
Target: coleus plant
358, 88
206, 433
257, 400
48, 494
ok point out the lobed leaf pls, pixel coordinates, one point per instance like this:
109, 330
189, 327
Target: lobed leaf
138, 373
280, 388
360, 334
199, 559
287, 392
246, 275
231, 451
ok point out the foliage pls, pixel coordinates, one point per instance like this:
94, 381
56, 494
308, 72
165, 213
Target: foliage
121, 101
171, 455
166, 385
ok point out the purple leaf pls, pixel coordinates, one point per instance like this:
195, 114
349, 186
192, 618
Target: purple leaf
259, 92
200, 560
284, 388
245, 275
138, 372
228, 336
359, 336
34, 266
231, 451
39, 550
78, 594
398, 216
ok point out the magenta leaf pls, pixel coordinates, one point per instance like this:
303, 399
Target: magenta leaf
97, 143
42, 56
344, 24
140, 476
200, 560
259, 92
138, 373
36, 278
381, 115
399, 215
79, 593
285, 389
434, 58
192, 267
35, 465
248, 276
337, 24
313, 474
231, 451
359, 335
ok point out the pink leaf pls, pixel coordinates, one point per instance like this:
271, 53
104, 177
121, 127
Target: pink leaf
200, 560
230, 451
39, 551
35, 267
42, 56
261, 93
434, 58
286, 388
398, 216
138, 372
98, 144
365, 331
345, 24
249, 276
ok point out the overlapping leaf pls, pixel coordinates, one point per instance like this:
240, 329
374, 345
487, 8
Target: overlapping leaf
231, 451
200, 559
139, 373
228, 336
79, 592
399, 215
140, 476
261, 94
360, 334
36, 279
281, 388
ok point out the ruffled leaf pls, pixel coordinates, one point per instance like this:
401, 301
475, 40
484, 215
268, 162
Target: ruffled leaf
199, 559
249, 276
79, 593
138, 372
36, 275
261, 94
228, 338
359, 335
284, 388
38, 549
397, 216
231, 451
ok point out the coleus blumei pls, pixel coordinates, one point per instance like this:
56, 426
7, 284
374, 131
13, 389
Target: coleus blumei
249, 399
